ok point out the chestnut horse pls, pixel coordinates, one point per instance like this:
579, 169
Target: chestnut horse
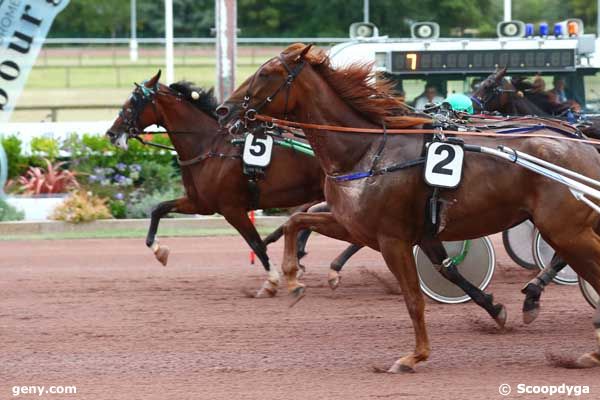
387, 210
188, 115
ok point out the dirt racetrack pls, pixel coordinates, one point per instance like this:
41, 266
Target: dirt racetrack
104, 316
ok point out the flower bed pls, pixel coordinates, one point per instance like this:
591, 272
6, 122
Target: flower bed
128, 183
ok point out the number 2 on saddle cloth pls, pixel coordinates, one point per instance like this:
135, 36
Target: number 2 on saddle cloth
443, 169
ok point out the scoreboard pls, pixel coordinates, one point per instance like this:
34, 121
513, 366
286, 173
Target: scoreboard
460, 61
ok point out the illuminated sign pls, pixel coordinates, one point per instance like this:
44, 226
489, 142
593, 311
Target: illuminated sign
407, 62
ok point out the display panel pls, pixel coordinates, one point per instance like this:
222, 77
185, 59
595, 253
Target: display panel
407, 62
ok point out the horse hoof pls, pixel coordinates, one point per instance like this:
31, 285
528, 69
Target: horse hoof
589, 360
405, 369
400, 368
301, 271
162, 254
297, 294
268, 289
334, 280
530, 315
265, 293
501, 317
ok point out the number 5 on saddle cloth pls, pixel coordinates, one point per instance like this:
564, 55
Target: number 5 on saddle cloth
257, 151
256, 157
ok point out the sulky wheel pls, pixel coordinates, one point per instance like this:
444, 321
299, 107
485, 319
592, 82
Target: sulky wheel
477, 266
517, 242
543, 253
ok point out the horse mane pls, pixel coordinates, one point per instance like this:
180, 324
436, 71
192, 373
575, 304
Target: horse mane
206, 101
368, 93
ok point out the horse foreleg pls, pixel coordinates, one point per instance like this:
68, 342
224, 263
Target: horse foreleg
336, 266
323, 223
273, 236
333, 278
399, 259
182, 205
534, 288
304, 234
241, 222
435, 251
278, 233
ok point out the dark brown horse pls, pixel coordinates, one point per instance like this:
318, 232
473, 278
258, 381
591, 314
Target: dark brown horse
211, 166
387, 210
513, 97
498, 94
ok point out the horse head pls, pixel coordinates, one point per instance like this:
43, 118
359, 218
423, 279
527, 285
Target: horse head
488, 95
152, 103
269, 90
135, 115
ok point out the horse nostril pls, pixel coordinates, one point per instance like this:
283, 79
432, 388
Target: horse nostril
222, 111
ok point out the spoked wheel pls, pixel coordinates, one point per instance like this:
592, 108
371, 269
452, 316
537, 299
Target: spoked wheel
543, 253
517, 242
475, 260
589, 293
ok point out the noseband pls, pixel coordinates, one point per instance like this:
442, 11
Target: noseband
250, 113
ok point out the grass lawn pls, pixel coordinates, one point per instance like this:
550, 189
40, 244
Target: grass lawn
104, 75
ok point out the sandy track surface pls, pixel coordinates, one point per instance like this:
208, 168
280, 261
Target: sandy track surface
104, 316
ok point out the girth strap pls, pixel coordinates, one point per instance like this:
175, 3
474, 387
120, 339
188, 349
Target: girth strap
254, 193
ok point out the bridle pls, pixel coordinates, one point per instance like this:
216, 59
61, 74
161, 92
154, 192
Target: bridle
250, 113
496, 90
140, 98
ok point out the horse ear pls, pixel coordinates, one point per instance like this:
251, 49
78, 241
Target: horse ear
304, 52
499, 74
153, 82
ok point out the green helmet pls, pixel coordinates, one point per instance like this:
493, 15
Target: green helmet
460, 102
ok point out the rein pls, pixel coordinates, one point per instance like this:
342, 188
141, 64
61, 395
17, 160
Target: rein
406, 131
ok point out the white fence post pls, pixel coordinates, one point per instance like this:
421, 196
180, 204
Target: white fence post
226, 27
169, 61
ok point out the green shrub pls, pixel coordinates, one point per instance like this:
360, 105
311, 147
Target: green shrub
118, 208
157, 177
9, 213
144, 205
17, 163
46, 148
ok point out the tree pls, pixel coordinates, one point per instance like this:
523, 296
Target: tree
312, 18
587, 11
93, 18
